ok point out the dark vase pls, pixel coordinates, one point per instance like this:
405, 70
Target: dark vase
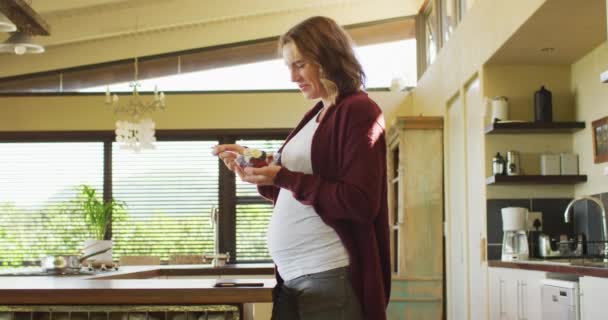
543, 105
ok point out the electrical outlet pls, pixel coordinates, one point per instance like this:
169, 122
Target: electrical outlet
606, 171
532, 216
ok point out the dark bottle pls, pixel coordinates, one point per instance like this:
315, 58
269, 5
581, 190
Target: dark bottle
533, 239
543, 106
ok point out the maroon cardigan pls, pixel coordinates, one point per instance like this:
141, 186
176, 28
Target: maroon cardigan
348, 191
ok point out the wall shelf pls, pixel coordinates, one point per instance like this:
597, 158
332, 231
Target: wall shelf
534, 127
535, 179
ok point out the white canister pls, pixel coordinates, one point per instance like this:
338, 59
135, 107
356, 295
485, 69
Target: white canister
514, 218
569, 163
550, 164
500, 109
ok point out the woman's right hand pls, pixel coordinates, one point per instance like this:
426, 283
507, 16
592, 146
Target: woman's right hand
228, 153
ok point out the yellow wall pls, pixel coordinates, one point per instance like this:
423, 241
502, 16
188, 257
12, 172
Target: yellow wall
591, 97
483, 30
213, 24
184, 111
519, 83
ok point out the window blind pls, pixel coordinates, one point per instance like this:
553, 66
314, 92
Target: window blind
169, 192
38, 181
253, 212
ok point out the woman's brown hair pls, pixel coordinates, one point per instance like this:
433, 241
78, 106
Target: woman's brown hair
325, 43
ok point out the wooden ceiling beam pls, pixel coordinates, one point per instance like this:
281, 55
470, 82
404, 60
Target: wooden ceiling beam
24, 17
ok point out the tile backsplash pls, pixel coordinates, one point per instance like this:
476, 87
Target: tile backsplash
587, 219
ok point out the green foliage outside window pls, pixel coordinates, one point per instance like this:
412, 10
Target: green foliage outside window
150, 236
59, 229
26, 238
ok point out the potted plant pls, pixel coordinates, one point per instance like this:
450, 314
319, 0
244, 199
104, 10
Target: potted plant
97, 215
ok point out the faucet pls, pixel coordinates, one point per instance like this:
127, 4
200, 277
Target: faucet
604, 229
218, 259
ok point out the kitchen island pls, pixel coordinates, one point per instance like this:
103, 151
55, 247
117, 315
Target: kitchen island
175, 285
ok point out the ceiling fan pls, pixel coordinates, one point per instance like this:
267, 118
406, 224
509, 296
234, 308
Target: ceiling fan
17, 17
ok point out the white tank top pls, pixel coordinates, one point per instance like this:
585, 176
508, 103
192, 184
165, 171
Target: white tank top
298, 240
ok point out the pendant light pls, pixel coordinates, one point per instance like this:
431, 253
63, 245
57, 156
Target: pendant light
20, 43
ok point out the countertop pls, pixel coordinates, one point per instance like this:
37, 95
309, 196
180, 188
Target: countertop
552, 266
132, 285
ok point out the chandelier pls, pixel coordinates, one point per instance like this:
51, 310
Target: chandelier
136, 131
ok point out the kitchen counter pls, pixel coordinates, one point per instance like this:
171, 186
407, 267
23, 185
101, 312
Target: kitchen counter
132, 285
552, 266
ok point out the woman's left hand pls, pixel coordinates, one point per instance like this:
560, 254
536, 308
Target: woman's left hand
263, 176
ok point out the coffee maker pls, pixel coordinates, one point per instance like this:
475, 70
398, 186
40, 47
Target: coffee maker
515, 239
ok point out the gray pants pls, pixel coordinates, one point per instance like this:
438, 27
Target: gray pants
319, 296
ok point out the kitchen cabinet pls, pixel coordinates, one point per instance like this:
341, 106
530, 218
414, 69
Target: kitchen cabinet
593, 298
415, 192
515, 294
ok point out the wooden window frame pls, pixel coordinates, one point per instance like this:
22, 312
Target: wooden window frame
421, 20
421, 34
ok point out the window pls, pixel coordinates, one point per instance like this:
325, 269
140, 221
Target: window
169, 192
37, 181
381, 62
431, 34
449, 18
437, 20
253, 212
